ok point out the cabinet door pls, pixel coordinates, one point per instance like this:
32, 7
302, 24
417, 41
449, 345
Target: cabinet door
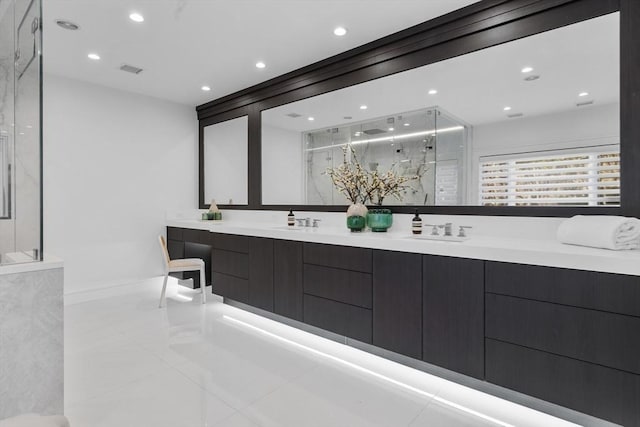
287, 284
261, 273
453, 327
202, 251
397, 302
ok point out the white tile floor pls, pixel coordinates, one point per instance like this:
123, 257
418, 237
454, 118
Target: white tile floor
128, 363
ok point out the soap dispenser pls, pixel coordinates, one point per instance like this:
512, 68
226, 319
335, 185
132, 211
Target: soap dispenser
416, 224
291, 219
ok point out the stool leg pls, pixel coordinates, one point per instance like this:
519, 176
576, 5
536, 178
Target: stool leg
164, 289
203, 285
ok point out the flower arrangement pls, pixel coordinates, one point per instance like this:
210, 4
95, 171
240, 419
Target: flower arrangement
361, 186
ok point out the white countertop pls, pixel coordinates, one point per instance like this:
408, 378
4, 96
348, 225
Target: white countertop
550, 253
25, 266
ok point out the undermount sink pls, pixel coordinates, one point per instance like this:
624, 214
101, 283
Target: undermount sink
294, 228
436, 238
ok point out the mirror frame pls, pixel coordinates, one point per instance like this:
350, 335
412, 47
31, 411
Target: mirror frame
478, 26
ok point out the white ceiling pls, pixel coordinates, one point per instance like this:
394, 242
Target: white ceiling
476, 87
185, 44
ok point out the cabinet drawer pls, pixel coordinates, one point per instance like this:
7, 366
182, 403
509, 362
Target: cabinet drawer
174, 233
231, 242
230, 263
197, 236
592, 336
343, 319
230, 287
344, 257
596, 390
617, 293
350, 287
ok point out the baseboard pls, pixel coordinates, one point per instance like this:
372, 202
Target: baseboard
124, 288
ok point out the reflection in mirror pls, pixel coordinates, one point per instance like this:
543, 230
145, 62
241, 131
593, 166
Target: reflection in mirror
225, 162
526, 123
5, 177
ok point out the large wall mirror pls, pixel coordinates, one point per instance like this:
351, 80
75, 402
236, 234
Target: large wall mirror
226, 162
532, 122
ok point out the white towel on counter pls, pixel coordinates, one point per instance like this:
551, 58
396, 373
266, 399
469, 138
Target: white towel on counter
609, 232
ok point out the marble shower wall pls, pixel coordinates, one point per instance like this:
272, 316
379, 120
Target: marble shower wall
31, 343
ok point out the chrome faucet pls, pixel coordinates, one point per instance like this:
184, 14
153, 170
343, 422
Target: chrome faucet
447, 229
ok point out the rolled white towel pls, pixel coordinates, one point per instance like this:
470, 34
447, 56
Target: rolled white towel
609, 232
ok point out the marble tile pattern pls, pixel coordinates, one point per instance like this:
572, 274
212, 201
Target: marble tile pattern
129, 363
31, 342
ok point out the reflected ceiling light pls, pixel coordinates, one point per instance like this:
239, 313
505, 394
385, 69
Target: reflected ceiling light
358, 133
527, 69
93, 56
507, 108
583, 94
340, 31
311, 119
407, 124
136, 17
363, 107
205, 88
392, 138
391, 129
67, 25
21, 133
29, 126
432, 92
260, 64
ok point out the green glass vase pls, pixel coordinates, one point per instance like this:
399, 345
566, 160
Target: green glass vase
379, 220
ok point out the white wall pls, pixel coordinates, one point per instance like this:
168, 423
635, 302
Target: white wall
584, 126
282, 180
114, 162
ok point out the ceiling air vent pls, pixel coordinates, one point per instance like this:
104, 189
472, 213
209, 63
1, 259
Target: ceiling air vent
514, 116
582, 104
130, 69
294, 115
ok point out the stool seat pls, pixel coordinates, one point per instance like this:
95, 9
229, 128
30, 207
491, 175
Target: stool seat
34, 420
188, 263
179, 265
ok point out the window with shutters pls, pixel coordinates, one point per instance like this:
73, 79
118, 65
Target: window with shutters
581, 177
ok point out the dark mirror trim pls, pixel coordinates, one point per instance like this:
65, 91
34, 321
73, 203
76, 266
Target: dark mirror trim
475, 27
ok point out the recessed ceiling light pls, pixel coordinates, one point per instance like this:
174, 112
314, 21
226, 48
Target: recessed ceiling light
340, 31
391, 129
93, 56
527, 69
310, 119
363, 107
432, 92
583, 94
205, 88
407, 124
136, 17
260, 64
507, 108
67, 25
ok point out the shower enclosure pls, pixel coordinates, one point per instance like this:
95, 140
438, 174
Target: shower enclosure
428, 144
20, 131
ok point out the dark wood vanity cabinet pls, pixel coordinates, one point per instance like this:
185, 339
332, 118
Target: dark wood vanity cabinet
566, 336
186, 243
569, 337
397, 302
337, 287
287, 279
453, 313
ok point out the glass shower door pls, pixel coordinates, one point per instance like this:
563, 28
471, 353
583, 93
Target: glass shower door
20, 131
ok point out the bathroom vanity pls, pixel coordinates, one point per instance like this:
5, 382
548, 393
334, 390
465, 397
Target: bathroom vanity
558, 331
